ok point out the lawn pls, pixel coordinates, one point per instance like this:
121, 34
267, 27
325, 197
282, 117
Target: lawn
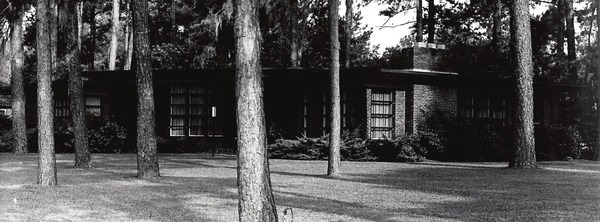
197, 187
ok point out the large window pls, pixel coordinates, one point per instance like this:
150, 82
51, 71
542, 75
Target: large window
93, 106
382, 114
314, 119
483, 107
194, 111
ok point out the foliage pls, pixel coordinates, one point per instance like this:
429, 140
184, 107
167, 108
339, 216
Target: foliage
104, 135
404, 149
557, 142
188, 145
6, 135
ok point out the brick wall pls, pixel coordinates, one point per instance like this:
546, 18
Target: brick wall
399, 113
428, 98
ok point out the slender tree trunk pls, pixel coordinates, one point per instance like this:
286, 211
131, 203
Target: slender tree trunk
294, 38
333, 168
47, 159
431, 21
128, 39
76, 95
173, 22
598, 75
560, 32
419, 23
53, 33
114, 36
17, 86
349, 23
497, 26
256, 202
147, 164
523, 141
571, 52
92, 62
129, 58
5, 61
79, 23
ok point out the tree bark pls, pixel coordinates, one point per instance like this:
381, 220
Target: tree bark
431, 21
295, 59
598, 76
419, 23
17, 86
114, 34
76, 94
497, 27
79, 23
5, 61
560, 32
349, 23
256, 202
47, 159
147, 158
333, 166
571, 53
53, 33
92, 64
523, 141
128, 39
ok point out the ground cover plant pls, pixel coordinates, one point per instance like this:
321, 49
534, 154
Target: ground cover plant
198, 187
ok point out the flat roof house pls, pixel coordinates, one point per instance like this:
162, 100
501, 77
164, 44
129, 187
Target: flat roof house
198, 105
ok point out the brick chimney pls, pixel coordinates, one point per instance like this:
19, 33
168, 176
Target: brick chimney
427, 58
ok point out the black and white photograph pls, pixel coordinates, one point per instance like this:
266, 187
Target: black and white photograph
299, 110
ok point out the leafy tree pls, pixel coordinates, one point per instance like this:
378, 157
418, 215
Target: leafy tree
523, 141
147, 158
256, 202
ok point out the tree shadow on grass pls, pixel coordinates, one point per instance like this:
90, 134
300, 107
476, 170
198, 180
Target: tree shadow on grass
468, 194
202, 189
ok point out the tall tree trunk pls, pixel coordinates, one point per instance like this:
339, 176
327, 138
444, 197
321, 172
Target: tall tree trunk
47, 158
128, 39
560, 32
53, 33
114, 36
256, 202
76, 95
5, 61
17, 86
333, 167
598, 76
419, 23
523, 140
92, 61
349, 23
497, 27
173, 22
571, 53
147, 163
431, 21
294, 38
79, 24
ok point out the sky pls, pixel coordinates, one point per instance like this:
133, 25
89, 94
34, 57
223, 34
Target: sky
389, 37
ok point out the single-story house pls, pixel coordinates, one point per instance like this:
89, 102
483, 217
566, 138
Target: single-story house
199, 105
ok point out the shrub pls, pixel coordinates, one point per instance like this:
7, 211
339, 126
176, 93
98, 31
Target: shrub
104, 136
405, 149
557, 142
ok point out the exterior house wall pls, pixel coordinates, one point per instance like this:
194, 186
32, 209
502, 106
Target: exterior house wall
427, 99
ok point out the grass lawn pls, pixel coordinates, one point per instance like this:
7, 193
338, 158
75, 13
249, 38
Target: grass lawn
196, 187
